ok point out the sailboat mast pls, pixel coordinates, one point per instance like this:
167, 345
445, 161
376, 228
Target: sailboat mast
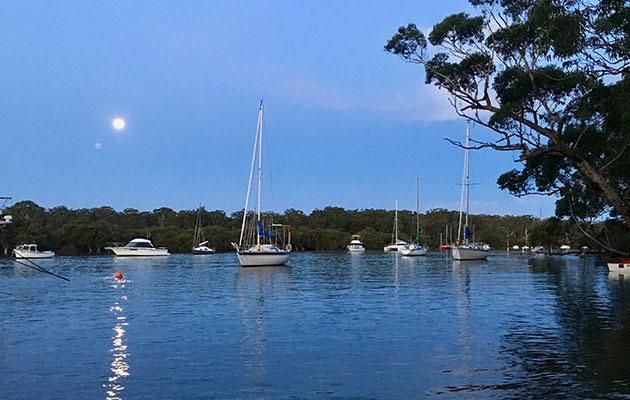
259, 167
251, 175
418, 208
463, 192
467, 169
396, 223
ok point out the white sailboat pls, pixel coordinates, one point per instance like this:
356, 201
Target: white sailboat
4, 219
199, 241
396, 244
415, 248
258, 246
525, 249
467, 250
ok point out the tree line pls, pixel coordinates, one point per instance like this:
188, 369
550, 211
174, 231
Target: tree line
88, 231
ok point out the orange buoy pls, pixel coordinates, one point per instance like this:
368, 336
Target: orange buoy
118, 275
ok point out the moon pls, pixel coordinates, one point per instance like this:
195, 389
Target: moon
118, 123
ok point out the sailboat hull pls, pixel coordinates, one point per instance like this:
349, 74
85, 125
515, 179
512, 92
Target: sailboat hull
262, 259
414, 252
466, 254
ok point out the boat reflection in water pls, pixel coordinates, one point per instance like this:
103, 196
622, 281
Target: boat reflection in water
258, 289
119, 367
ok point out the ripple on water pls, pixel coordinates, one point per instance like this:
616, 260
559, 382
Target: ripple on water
332, 325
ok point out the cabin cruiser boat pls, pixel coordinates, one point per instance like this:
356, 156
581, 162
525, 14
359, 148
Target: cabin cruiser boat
138, 247
30, 251
356, 246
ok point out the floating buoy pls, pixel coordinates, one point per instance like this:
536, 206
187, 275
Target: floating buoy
118, 275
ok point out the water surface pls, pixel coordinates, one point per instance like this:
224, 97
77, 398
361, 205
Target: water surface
331, 325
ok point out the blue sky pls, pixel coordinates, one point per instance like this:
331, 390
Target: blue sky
346, 124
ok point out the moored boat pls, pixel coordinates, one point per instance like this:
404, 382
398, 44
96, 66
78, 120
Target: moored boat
199, 241
467, 250
138, 247
258, 245
31, 251
415, 249
356, 246
619, 266
4, 219
396, 244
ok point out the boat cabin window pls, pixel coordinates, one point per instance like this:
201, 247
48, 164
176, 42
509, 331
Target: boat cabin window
140, 244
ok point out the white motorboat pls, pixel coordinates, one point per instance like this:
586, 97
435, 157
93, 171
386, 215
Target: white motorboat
619, 266
258, 244
467, 250
396, 244
138, 247
4, 219
356, 246
415, 249
30, 251
199, 241
516, 247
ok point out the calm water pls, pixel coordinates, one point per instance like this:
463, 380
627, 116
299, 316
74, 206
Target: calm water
333, 325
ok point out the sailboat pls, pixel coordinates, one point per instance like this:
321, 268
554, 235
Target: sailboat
467, 250
396, 244
199, 241
4, 219
258, 246
415, 248
526, 248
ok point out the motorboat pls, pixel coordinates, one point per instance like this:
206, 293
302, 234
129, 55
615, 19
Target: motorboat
396, 244
31, 251
415, 248
516, 247
259, 244
356, 246
619, 266
199, 241
467, 250
138, 247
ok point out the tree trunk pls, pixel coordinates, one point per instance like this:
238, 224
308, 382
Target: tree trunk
620, 206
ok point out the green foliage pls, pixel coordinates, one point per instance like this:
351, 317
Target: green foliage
88, 231
551, 79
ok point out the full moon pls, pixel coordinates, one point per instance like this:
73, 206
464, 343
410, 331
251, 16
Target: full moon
118, 124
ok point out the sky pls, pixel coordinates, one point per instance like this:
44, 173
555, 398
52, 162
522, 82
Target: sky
346, 124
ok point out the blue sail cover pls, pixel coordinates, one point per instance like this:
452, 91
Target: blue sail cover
262, 232
467, 233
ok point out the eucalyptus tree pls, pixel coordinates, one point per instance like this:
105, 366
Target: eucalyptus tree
550, 79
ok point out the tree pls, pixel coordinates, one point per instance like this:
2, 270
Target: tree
551, 80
